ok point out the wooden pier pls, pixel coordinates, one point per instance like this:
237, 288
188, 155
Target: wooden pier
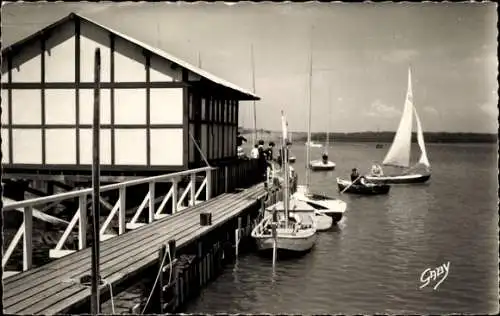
55, 287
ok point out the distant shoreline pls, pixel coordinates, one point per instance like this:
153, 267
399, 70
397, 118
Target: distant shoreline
378, 137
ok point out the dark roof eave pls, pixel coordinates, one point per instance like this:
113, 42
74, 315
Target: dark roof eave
33, 37
38, 34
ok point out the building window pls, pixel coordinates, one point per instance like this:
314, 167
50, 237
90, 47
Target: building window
230, 112
203, 108
190, 105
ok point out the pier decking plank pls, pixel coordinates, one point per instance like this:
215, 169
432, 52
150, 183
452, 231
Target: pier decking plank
108, 247
49, 290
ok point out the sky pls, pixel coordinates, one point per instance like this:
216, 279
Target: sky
360, 52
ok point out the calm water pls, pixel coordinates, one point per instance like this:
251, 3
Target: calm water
373, 261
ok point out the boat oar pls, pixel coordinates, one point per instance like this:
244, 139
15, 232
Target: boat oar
350, 184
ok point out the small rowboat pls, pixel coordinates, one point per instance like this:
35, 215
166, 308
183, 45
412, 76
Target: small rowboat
365, 189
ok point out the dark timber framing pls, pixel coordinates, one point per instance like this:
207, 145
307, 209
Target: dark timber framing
91, 85
42, 91
214, 122
148, 108
9, 106
77, 89
112, 93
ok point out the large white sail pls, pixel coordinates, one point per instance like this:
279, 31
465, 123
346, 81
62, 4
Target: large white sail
399, 152
420, 138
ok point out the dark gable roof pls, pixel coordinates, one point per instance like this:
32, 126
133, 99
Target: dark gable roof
247, 95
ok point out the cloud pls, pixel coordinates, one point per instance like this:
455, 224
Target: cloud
431, 110
400, 55
380, 109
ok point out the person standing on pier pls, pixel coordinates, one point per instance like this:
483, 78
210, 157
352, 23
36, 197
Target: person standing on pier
254, 154
270, 151
262, 158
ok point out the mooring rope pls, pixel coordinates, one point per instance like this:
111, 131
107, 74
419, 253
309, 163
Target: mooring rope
111, 295
158, 276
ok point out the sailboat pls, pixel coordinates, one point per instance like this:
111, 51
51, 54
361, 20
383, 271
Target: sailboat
330, 206
400, 150
324, 164
281, 230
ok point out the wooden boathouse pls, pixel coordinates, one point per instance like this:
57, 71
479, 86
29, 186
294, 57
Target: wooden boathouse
162, 121
151, 102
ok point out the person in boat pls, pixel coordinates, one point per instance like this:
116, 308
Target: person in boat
377, 170
356, 178
325, 158
254, 154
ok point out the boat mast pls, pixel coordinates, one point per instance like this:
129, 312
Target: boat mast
254, 107
308, 154
284, 126
328, 121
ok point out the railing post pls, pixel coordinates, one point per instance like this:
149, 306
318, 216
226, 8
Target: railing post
192, 199
208, 186
175, 195
28, 238
226, 178
121, 215
82, 222
151, 212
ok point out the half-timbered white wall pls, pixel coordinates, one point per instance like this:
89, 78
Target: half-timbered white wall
87, 106
62, 109
29, 110
166, 106
92, 37
26, 66
60, 146
60, 55
5, 146
167, 146
27, 146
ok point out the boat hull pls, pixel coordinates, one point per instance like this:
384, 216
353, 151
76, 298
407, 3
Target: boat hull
331, 207
322, 221
319, 165
296, 245
401, 179
370, 189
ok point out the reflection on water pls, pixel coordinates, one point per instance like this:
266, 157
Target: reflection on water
372, 261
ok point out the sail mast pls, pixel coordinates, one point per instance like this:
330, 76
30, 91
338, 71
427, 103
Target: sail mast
308, 154
328, 121
284, 127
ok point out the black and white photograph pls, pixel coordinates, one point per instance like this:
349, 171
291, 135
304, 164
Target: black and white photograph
270, 157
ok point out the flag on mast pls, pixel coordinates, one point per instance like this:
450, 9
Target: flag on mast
284, 126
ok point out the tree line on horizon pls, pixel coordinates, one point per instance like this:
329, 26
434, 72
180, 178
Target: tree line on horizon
383, 137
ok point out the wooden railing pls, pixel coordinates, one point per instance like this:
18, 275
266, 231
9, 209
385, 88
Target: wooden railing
197, 184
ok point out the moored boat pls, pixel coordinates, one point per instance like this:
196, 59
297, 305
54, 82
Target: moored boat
282, 231
333, 207
294, 235
323, 222
346, 186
